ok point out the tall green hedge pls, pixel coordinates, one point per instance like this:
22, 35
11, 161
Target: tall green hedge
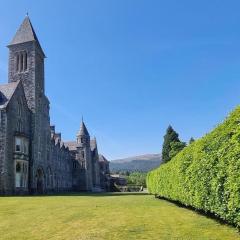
206, 174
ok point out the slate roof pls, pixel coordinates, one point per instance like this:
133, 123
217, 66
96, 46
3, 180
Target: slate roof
6, 93
83, 130
102, 158
25, 33
72, 145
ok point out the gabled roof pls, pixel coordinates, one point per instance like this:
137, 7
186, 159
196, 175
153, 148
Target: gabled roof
6, 93
25, 33
102, 158
72, 145
83, 130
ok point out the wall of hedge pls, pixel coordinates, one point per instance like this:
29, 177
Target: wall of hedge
206, 174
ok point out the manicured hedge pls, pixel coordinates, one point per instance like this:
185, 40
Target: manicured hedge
206, 174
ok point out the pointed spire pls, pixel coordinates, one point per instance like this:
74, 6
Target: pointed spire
25, 33
83, 130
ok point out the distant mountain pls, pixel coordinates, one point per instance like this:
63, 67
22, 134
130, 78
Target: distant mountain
143, 163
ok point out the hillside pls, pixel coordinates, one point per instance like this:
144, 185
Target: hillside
143, 163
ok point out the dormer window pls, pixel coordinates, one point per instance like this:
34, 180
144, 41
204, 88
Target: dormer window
21, 62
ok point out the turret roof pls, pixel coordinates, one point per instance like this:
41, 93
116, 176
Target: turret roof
25, 33
83, 130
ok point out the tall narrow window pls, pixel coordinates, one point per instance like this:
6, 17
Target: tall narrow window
18, 175
18, 144
19, 109
25, 62
17, 62
21, 174
21, 62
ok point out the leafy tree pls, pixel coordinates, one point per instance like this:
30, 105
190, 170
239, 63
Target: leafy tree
176, 147
137, 178
191, 140
171, 136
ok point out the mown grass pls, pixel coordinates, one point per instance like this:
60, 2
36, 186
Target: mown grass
105, 216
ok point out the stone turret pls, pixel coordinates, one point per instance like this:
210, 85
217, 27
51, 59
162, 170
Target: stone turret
84, 155
83, 137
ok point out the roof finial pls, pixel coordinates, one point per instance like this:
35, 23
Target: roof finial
82, 118
26, 14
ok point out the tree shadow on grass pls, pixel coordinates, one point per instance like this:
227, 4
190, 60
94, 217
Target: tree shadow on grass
200, 212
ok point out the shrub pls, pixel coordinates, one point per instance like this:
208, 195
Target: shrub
137, 178
206, 174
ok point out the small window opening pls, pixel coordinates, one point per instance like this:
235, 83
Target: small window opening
18, 145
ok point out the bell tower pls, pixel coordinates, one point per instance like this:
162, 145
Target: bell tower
84, 153
26, 63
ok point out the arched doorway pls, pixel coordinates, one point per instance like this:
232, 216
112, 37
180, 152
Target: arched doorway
40, 181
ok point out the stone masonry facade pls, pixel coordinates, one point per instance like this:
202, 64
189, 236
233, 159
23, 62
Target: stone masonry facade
33, 156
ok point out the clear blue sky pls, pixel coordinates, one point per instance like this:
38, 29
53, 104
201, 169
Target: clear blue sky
133, 67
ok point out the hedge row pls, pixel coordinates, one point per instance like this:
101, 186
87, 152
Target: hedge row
206, 174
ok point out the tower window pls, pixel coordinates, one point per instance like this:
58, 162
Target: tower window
19, 109
25, 61
17, 63
21, 62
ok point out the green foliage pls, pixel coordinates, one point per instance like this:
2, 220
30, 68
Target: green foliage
137, 178
171, 136
191, 140
206, 174
176, 147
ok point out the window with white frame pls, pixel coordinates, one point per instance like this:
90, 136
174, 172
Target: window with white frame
18, 144
21, 174
21, 145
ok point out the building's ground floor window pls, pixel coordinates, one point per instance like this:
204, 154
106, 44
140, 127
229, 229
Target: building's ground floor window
21, 174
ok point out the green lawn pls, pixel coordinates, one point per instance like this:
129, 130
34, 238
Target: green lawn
104, 216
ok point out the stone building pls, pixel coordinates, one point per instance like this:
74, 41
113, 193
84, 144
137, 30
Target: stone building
33, 157
105, 178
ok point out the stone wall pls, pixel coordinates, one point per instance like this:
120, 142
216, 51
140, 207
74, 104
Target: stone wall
13, 129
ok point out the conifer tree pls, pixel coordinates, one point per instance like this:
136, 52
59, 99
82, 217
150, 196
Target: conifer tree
171, 136
176, 147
